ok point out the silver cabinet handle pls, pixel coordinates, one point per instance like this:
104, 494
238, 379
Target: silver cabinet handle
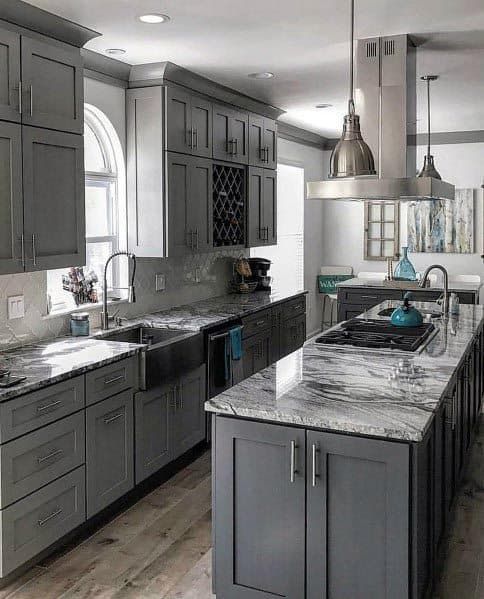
22, 249
293, 461
236, 146
259, 323
20, 108
113, 418
196, 238
315, 475
114, 380
34, 250
195, 139
53, 515
49, 456
262, 154
230, 143
190, 239
54, 404
372, 297
31, 92
267, 154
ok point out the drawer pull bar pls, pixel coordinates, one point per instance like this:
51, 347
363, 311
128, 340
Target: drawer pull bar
372, 297
114, 380
48, 406
113, 418
315, 475
49, 456
53, 515
259, 323
293, 461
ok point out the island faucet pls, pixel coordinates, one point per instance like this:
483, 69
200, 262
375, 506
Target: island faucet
105, 317
423, 282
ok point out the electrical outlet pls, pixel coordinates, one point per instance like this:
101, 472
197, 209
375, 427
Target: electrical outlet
16, 307
160, 282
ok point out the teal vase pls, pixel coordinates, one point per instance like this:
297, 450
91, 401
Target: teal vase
404, 271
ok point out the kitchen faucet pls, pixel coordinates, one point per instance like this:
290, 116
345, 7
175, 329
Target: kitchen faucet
105, 317
423, 282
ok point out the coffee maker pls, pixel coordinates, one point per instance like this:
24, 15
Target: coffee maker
260, 268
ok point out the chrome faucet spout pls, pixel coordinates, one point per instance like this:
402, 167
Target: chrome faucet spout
443, 270
105, 317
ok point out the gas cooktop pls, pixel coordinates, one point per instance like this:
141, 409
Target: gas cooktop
377, 334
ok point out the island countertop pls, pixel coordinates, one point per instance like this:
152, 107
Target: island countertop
347, 389
456, 286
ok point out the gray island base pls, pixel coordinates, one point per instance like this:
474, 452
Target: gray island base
331, 481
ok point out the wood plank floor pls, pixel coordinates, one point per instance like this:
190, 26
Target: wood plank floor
160, 547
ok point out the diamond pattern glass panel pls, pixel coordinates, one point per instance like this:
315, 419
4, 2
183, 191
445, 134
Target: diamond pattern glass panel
228, 206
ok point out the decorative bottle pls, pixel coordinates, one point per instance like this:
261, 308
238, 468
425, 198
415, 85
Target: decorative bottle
404, 270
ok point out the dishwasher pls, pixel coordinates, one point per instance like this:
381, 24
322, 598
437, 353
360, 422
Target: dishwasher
223, 370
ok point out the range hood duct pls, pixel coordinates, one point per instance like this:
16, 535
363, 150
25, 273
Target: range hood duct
387, 99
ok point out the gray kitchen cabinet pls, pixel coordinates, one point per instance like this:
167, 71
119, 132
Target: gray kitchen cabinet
10, 89
11, 207
189, 204
262, 142
262, 207
53, 184
293, 334
153, 432
52, 82
230, 134
256, 352
259, 516
189, 123
357, 517
109, 451
111, 379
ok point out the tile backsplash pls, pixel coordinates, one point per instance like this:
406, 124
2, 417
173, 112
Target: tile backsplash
188, 279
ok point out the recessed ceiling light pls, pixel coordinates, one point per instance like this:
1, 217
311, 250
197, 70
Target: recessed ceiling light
323, 105
154, 18
264, 75
115, 51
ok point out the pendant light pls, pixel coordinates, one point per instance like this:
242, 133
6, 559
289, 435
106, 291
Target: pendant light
351, 157
428, 169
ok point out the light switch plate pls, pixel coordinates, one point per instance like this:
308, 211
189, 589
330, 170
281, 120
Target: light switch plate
160, 282
16, 307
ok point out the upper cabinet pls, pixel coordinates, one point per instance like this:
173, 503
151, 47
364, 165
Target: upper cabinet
10, 86
262, 207
230, 134
262, 142
188, 123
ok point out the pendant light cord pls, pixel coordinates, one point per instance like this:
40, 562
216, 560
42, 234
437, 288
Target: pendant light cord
428, 116
351, 102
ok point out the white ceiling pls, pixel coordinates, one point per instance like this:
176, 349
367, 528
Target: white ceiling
304, 43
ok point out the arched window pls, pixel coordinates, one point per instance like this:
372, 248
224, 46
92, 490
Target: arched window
105, 209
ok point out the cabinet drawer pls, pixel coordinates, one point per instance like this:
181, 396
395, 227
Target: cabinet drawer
294, 308
31, 411
109, 380
256, 323
368, 297
38, 458
34, 523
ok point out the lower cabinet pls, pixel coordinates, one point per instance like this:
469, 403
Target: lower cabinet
169, 420
293, 334
302, 513
109, 451
256, 353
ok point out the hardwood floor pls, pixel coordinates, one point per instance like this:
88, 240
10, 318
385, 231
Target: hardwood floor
160, 547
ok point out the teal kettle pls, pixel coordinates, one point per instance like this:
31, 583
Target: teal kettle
406, 315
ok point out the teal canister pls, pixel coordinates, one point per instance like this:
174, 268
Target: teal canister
407, 315
80, 324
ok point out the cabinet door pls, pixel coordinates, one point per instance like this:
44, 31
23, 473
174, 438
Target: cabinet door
222, 143
293, 334
270, 207
255, 207
239, 132
152, 430
181, 235
11, 202
109, 451
259, 520
276, 334
357, 517
53, 178
201, 118
10, 76
178, 121
189, 415
52, 80
257, 352
257, 152
200, 204
270, 143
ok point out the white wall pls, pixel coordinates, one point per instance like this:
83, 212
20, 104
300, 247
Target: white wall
315, 163
460, 164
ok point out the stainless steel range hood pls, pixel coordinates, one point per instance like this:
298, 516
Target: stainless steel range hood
386, 99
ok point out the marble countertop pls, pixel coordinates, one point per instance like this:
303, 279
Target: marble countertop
453, 285
346, 389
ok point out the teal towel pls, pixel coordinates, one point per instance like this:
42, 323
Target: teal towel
236, 343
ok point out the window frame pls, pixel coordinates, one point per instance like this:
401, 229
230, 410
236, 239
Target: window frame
381, 239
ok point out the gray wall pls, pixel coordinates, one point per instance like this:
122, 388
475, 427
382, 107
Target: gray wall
315, 163
460, 164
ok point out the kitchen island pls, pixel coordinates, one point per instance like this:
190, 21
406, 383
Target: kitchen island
335, 469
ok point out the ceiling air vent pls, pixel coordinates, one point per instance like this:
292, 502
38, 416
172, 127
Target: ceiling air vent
389, 47
371, 49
